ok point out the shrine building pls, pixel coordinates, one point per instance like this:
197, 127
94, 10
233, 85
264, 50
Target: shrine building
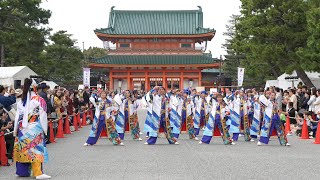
156, 48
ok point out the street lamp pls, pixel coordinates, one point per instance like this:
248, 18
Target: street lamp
120, 84
292, 79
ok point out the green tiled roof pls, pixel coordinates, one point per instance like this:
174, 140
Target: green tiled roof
154, 59
183, 22
210, 71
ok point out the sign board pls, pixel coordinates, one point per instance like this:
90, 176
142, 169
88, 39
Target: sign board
213, 90
81, 86
240, 76
200, 88
86, 77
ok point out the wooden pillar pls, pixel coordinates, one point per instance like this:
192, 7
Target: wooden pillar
181, 78
129, 79
111, 80
146, 84
164, 79
200, 77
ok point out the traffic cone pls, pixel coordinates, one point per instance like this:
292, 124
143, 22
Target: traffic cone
317, 140
75, 122
216, 132
79, 120
3, 151
60, 129
91, 115
287, 128
67, 126
274, 132
84, 119
184, 128
104, 133
51, 138
305, 134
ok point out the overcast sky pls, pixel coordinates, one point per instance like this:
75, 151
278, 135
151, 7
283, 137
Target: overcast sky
81, 17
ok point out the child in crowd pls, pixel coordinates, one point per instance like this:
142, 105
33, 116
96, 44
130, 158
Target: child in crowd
6, 126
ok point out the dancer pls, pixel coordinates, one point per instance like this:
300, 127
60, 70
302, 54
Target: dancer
257, 115
160, 118
187, 114
103, 120
271, 121
217, 118
239, 119
30, 128
127, 119
148, 101
175, 115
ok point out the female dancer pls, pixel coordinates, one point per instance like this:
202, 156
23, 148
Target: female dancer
30, 130
217, 118
103, 119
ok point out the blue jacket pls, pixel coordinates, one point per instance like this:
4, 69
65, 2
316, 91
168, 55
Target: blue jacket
7, 101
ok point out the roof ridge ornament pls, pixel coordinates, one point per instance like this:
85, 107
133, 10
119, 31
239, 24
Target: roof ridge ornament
114, 18
200, 8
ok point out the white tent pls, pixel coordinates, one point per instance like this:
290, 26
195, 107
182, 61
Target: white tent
282, 83
51, 84
8, 75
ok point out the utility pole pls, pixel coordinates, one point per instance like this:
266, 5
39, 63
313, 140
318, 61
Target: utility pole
220, 64
82, 46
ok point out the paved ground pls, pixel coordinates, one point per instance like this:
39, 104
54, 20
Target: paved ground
189, 160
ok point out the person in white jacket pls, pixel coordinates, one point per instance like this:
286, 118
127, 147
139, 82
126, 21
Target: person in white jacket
312, 99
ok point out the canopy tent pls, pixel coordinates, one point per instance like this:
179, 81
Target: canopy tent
283, 83
51, 84
15, 75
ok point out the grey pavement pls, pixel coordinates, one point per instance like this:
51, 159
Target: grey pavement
69, 159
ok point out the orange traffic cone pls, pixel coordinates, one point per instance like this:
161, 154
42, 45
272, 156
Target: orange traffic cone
287, 128
84, 119
317, 140
274, 132
51, 138
67, 126
184, 128
91, 115
60, 129
79, 120
104, 133
216, 132
305, 134
3, 151
75, 122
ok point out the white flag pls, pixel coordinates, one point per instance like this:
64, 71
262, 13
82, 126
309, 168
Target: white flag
240, 76
86, 77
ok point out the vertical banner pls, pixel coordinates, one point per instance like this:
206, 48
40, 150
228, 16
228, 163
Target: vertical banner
86, 77
240, 76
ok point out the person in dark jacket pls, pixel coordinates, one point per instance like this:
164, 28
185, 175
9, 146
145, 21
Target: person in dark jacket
43, 93
7, 101
306, 98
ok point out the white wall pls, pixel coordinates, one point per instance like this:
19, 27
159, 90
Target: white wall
123, 87
186, 83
